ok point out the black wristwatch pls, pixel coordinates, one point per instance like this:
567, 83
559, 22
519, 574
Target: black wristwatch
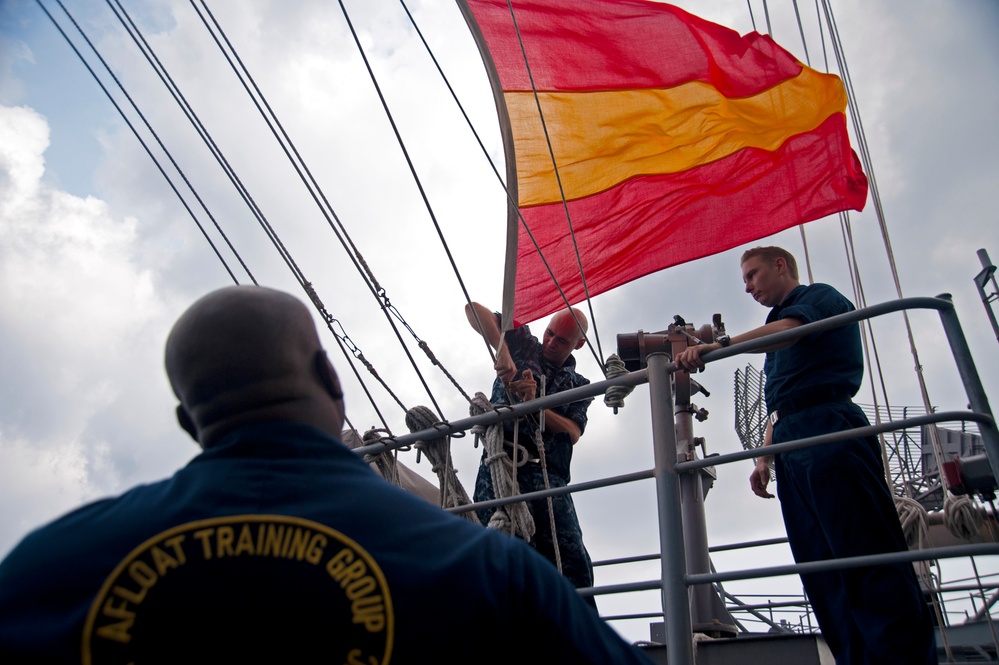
724, 340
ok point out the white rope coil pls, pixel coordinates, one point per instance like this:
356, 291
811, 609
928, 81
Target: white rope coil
514, 518
961, 517
915, 521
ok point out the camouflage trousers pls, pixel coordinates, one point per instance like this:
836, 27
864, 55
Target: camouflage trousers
575, 560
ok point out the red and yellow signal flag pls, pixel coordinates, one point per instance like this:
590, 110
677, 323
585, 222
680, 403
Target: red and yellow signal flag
639, 136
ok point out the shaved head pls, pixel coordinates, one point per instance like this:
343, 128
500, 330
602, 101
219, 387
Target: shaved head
243, 354
565, 333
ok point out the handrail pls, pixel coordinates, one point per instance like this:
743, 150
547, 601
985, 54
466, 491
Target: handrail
675, 583
506, 412
639, 377
856, 433
939, 303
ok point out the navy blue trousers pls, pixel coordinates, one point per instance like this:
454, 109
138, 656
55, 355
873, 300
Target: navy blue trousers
836, 503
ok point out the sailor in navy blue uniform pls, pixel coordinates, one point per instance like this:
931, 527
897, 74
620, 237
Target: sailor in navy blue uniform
277, 544
521, 361
834, 497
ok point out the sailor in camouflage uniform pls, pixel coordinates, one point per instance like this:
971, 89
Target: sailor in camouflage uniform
521, 361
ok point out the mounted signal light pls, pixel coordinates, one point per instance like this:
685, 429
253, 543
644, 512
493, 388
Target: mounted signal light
967, 475
634, 348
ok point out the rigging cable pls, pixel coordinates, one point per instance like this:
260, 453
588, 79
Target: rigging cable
766, 15
305, 174
142, 142
865, 157
513, 206
867, 329
801, 227
509, 196
801, 31
433, 218
558, 179
140, 41
871, 353
125, 19
955, 512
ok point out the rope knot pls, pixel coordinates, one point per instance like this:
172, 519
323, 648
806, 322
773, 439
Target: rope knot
385, 460
961, 517
614, 397
914, 520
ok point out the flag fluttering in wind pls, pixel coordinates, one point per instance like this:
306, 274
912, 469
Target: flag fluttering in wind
639, 137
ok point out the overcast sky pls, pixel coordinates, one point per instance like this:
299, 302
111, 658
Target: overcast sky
98, 256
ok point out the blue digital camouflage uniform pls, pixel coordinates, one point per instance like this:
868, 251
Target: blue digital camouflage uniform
279, 545
834, 497
526, 351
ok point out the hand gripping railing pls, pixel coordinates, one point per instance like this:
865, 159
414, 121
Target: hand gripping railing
675, 605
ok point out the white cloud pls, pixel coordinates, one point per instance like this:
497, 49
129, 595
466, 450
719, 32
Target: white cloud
81, 328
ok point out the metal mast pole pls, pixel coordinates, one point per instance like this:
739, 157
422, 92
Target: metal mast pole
988, 274
676, 609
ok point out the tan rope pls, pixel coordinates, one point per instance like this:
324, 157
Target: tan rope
438, 451
514, 518
385, 461
544, 472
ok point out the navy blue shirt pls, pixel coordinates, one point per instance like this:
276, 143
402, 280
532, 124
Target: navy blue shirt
831, 360
527, 353
279, 544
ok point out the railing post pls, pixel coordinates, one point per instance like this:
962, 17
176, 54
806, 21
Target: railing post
977, 399
676, 605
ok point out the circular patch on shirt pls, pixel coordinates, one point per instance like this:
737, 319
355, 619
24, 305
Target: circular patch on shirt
247, 588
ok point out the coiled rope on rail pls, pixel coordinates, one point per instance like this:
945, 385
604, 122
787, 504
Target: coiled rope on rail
915, 521
438, 451
614, 397
514, 518
961, 516
385, 461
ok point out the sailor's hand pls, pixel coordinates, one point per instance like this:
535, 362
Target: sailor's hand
690, 358
505, 368
760, 478
525, 388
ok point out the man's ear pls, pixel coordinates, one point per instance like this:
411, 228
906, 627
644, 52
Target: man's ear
186, 423
579, 344
327, 375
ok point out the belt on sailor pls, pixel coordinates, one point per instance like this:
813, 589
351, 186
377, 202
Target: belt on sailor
808, 398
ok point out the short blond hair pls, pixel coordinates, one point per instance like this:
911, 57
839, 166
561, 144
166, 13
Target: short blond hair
770, 255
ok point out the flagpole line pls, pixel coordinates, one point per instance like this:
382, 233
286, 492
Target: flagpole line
504, 124
882, 223
808, 61
875, 195
801, 227
287, 146
561, 191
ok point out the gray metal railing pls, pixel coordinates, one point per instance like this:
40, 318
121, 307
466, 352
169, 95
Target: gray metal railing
676, 582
